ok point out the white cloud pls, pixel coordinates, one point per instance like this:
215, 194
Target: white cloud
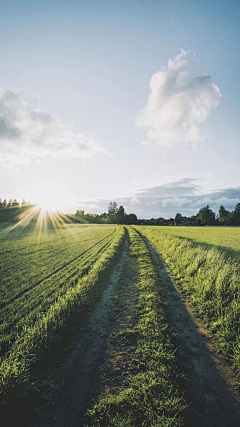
135, 202
177, 202
179, 102
27, 133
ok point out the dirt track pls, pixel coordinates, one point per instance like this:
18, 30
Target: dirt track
78, 379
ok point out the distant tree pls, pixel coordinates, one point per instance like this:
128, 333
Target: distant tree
23, 204
103, 218
224, 215
80, 212
15, 203
112, 212
9, 205
236, 215
1, 204
160, 221
178, 219
131, 219
194, 220
4, 204
120, 215
206, 216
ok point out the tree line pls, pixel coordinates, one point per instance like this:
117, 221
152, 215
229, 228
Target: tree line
11, 209
205, 216
5, 204
115, 215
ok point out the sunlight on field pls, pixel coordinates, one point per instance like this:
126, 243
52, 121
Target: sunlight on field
225, 237
42, 216
37, 268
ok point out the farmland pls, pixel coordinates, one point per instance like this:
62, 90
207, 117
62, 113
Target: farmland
98, 317
208, 275
36, 270
44, 278
227, 238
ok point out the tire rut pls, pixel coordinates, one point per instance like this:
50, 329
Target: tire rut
213, 401
119, 360
78, 378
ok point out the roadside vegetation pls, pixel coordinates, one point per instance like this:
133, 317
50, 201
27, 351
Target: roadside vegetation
150, 395
45, 308
210, 278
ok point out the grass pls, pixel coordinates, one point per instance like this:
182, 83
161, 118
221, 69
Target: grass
212, 280
149, 396
39, 339
36, 270
225, 238
49, 282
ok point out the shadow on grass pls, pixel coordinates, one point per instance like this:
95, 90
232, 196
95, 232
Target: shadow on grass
212, 402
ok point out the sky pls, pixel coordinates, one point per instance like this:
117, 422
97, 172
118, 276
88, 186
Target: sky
133, 101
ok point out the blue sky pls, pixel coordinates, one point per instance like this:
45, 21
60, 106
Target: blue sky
78, 126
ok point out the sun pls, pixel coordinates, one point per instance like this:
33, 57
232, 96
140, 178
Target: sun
47, 206
49, 199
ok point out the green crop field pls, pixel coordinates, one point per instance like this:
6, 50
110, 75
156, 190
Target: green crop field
208, 274
227, 238
44, 276
38, 269
99, 302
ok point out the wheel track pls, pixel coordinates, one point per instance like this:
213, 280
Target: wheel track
78, 375
213, 401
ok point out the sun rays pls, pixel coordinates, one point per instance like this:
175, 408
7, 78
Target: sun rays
42, 220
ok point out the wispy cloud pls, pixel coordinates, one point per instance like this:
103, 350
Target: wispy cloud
182, 187
29, 133
180, 101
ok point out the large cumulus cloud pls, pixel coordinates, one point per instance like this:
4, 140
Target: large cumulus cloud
28, 133
180, 101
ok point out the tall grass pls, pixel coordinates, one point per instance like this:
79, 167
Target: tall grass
212, 279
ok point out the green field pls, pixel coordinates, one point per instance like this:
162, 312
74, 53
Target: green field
227, 238
109, 285
45, 278
200, 260
38, 269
